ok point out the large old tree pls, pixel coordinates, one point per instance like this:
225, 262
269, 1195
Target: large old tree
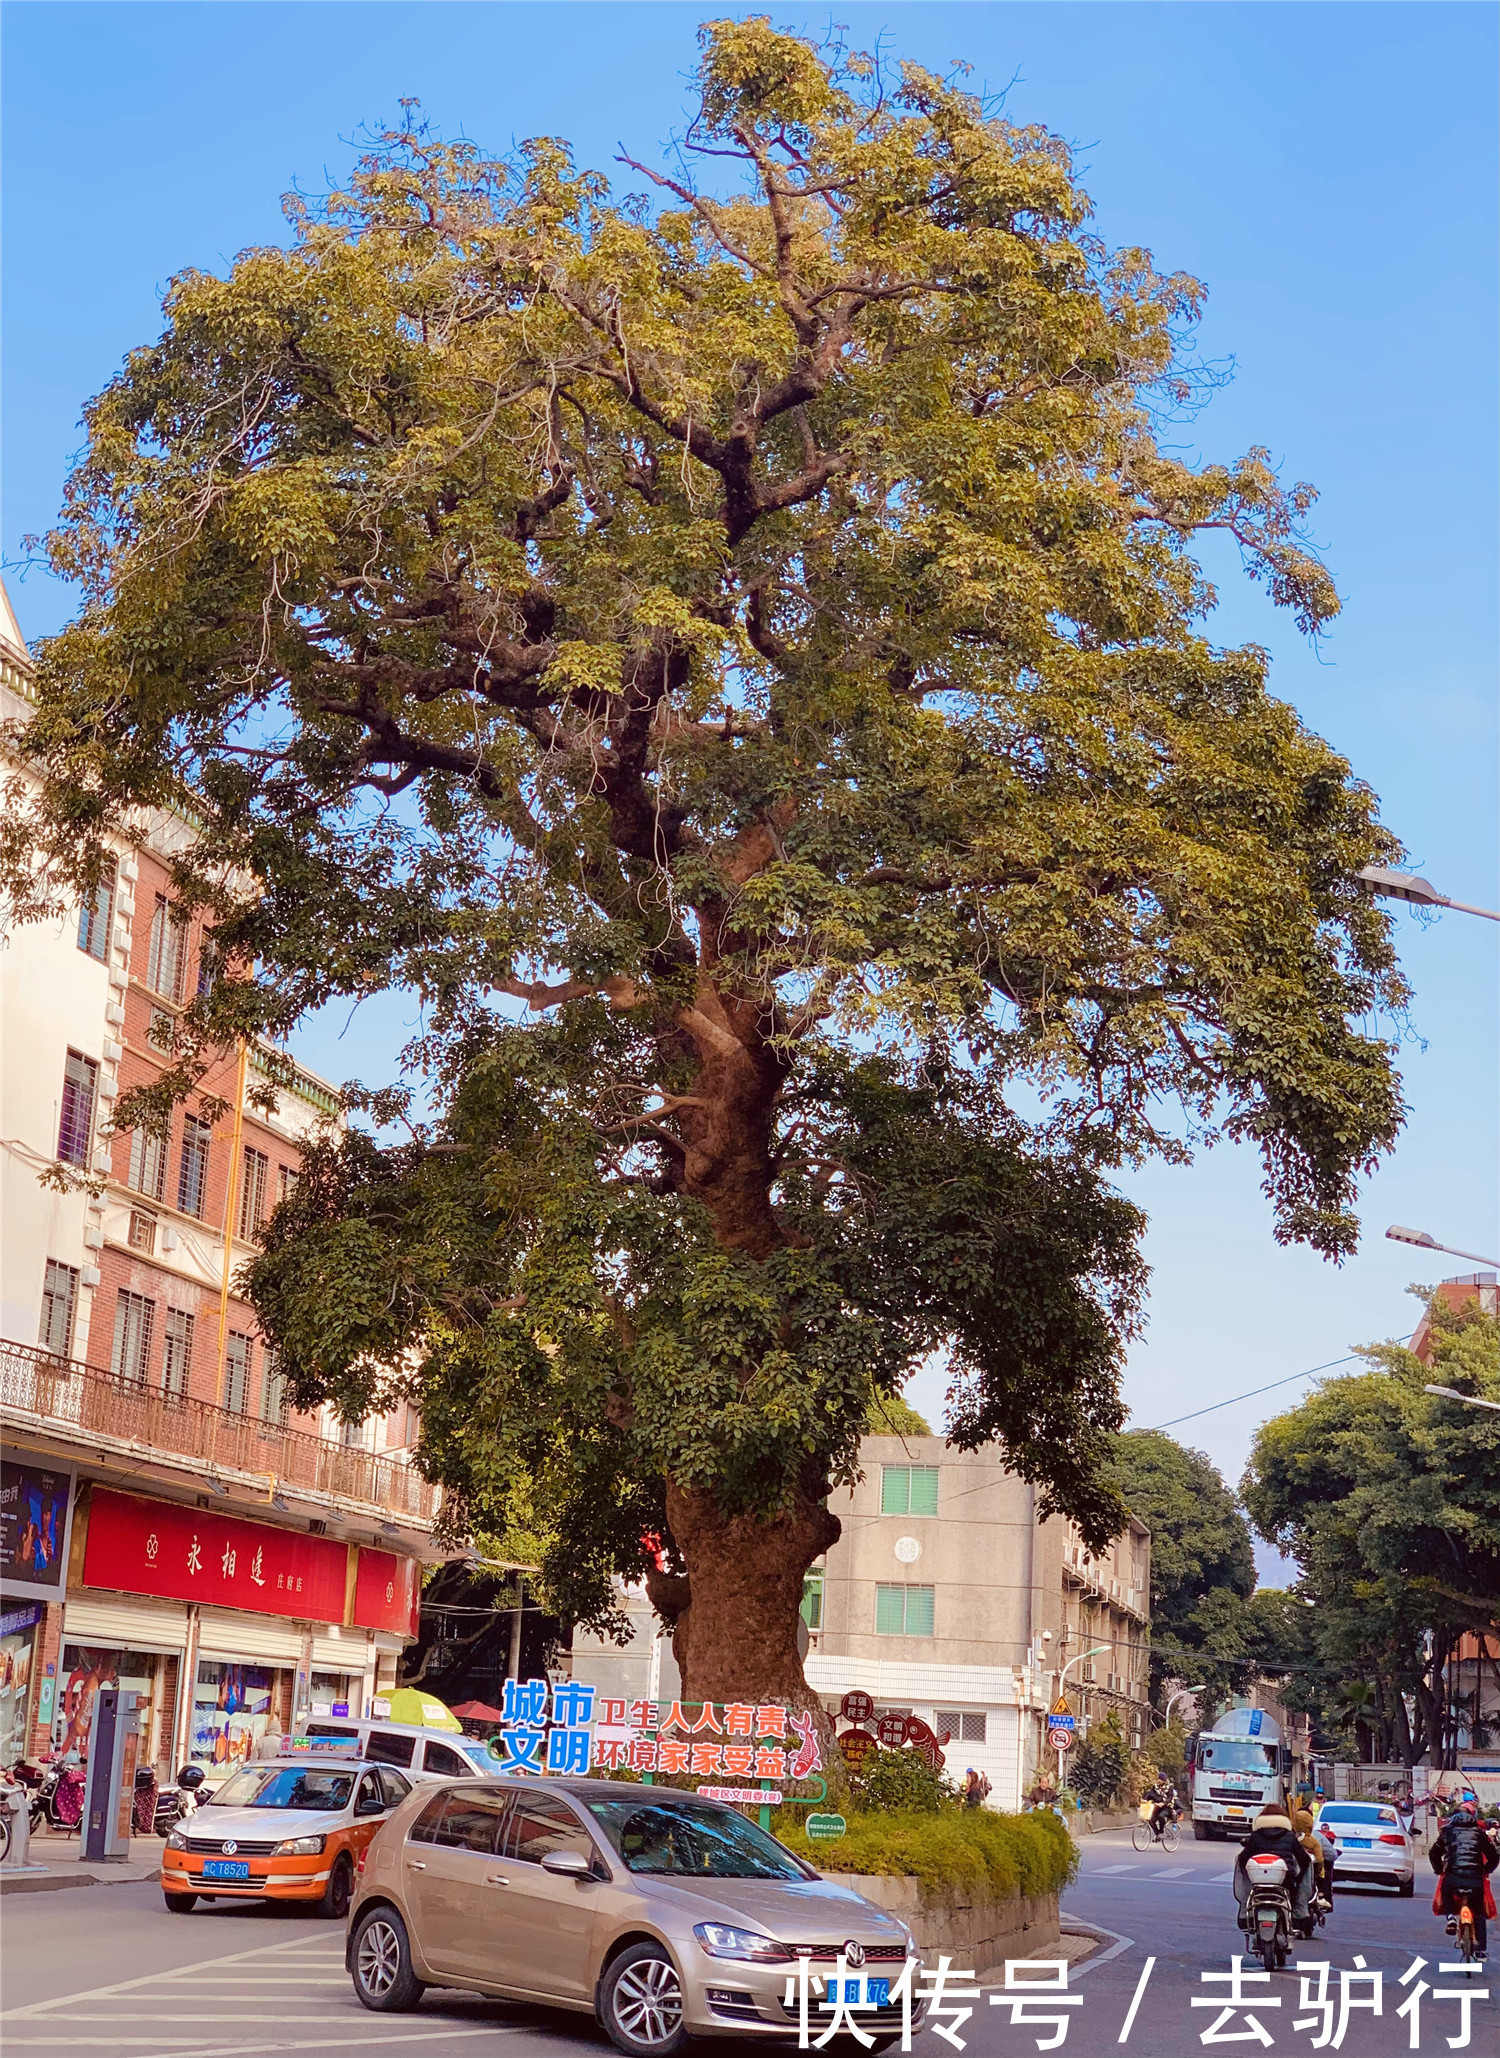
735, 649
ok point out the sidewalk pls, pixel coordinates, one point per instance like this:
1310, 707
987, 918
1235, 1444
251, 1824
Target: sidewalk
66, 1865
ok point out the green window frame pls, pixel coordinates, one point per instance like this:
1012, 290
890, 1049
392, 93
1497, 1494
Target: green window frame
904, 1610
908, 1489
812, 1598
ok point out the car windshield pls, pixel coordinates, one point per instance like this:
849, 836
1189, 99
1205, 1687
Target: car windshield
1352, 1811
285, 1786
1233, 1756
693, 1842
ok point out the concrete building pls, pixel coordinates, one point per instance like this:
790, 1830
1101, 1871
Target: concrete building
1456, 1294
949, 1597
166, 1522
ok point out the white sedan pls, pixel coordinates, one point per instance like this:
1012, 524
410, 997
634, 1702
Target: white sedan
1369, 1843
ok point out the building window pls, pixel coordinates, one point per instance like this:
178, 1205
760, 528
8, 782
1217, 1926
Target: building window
908, 1489
76, 1122
963, 1725
357, 1436
164, 965
141, 1235
254, 1175
148, 1162
903, 1610
93, 919
273, 1402
192, 1177
286, 1182
59, 1301
208, 963
177, 1352
161, 1030
812, 1598
237, 1373
135, 1317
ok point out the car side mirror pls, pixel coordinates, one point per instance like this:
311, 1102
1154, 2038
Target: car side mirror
371, 1805
569, 1864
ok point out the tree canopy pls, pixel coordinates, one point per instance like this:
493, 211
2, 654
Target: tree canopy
735, 648
1389, 1499
1202, 1559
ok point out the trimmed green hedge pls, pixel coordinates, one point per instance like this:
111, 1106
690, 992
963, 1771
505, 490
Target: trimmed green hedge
973, 1849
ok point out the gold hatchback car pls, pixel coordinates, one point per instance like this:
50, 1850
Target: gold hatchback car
662, 1915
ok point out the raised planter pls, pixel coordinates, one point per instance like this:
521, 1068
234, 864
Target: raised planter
977, 1932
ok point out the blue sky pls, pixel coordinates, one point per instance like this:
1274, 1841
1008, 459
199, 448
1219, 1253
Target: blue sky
1328, 170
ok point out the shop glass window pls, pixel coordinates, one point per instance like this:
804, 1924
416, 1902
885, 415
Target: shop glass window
148, 1162
444, 1761
93, 918
86, 1668
254, 1174
168, 953
908, 1489
135, 1317
192, 1171
232, 1707
539, 1825
17, 1652
59, 1305
237, 1356
76, 1117
812, 1598
177, 1351
326, 1688
903, 1610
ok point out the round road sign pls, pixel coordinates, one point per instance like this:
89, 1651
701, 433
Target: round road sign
1060, 1739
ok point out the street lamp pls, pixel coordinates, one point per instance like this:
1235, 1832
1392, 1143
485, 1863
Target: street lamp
1396, 1234
1470, 1400
1421, 892
1183, 1693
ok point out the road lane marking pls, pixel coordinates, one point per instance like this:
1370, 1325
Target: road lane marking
1178, 1872
241, 2047
1098, 1871
125, 1986
1097, 1929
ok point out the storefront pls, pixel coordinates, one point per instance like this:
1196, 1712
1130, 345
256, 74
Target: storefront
227, 1628
18, 1627
36, 1512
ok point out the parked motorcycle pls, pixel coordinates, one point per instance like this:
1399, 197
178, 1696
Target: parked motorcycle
1266, 1916
176, 1803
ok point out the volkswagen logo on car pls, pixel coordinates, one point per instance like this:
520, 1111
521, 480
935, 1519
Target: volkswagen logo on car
854, 1952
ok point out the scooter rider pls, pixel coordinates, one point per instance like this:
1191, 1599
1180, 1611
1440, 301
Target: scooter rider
1272, 1836
1463, 1855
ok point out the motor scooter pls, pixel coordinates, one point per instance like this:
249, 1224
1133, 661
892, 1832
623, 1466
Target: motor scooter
175, 1803
1266, 1912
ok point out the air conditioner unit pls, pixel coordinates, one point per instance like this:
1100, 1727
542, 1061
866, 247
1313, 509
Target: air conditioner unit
1088, 1673
114, 1014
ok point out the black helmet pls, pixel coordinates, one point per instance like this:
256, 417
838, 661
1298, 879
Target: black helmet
191, 1776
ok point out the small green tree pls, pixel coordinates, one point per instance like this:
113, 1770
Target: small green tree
887, 1782
1099, 1762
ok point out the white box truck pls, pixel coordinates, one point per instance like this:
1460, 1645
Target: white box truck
1237, 1767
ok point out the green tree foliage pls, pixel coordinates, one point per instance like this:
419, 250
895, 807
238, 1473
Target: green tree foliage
1389, 1500
735, 651
1202, 1562
888, 1782
1099, 1762
891, 1416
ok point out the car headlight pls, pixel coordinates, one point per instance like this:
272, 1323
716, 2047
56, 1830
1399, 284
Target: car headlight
177, 1841
299, 1847
720, 1941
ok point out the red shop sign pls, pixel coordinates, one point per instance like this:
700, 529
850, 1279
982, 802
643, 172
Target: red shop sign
386, 1590
192, 1554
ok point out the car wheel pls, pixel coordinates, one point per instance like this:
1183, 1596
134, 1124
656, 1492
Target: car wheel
1406, 1888
181, 1904
641, 2003
339, 1891
380, 1959
1200, 1833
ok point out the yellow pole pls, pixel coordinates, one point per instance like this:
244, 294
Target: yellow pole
231, 1191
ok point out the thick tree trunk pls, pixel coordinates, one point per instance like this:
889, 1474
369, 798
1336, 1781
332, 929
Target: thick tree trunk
734, 1617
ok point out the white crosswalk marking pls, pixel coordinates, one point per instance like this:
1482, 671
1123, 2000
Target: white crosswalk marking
304, 1973
1102, 1869
1178, 1872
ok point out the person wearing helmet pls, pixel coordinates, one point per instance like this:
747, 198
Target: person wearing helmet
1463, 1856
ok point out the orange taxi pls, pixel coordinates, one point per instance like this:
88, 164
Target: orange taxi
291, 1829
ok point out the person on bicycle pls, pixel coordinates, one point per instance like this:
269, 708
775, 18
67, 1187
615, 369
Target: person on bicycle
1463, 1856
1163, 1798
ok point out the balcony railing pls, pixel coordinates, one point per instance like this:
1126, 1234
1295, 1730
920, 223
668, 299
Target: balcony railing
62, 1393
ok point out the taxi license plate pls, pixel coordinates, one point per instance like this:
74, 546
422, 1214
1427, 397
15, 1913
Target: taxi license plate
226, 1868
